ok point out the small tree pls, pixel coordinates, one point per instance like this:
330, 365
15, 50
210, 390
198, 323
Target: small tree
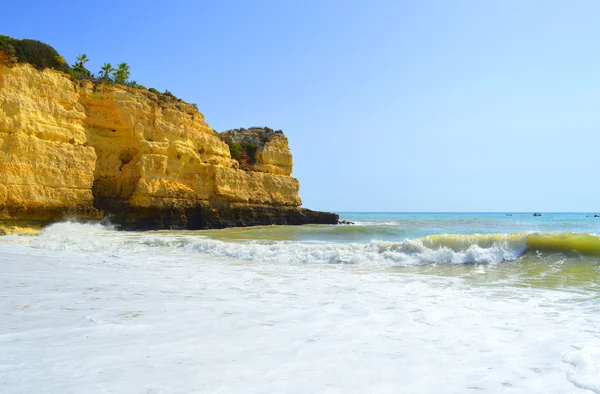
82, 59
122, 73
106, 71
79, 66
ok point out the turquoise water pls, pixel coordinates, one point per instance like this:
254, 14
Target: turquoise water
382, 226
555, 250
422, 224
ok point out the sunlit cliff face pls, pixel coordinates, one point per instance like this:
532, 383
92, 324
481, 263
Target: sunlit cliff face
74, 149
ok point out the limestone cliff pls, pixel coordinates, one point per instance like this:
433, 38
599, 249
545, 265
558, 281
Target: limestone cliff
84, 150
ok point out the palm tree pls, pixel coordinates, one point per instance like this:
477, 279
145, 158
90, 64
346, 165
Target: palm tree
82, 59
79, 66
106, 71
122, 73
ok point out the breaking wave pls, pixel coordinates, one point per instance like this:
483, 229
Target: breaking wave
433, 249
587, 244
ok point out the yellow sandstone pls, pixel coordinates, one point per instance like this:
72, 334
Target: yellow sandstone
79, 150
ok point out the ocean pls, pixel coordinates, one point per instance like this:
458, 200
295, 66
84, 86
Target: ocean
394, 303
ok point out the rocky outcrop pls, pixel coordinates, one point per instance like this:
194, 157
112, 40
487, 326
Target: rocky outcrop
86, 151
270, 151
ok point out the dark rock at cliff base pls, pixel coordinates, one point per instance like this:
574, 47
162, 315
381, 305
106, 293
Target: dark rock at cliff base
345, 222
205, 216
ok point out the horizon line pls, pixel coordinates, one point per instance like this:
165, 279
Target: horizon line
524, 212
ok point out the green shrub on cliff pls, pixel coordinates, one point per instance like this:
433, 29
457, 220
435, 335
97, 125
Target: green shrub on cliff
170, 95
267, 129
34, 52
42, 56
7, 45
250, 149
235, 150
244, 153
60, 59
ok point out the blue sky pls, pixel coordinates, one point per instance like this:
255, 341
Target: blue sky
388, 105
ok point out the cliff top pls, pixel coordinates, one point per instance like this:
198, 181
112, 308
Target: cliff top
246, 145
42, 56
253, 135
34, 52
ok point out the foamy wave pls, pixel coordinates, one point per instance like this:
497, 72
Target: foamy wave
376, 223
585, 360
434, 249
376, 253
73, 236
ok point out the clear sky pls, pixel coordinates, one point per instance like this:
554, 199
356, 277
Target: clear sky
388, 105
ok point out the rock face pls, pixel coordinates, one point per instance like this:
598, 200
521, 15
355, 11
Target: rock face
272, 154
46, 169
87, 151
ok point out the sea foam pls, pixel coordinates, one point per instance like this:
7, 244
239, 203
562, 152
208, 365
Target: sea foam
71, 236
585, 359
434, 249
92, 309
